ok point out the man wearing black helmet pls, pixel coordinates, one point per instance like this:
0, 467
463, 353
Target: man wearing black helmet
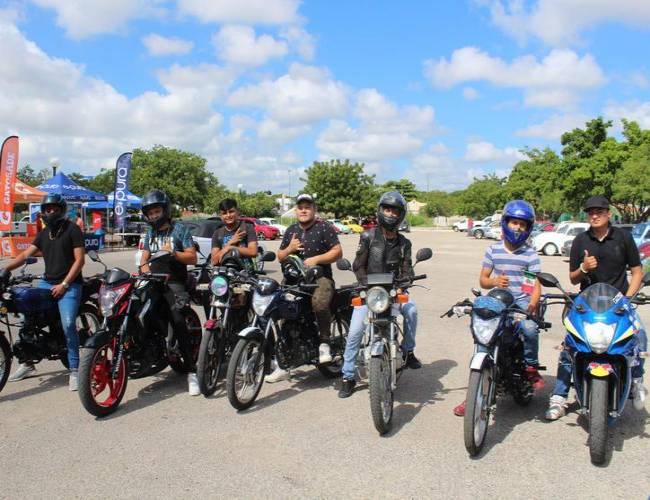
170, 236
62, 246
382, 250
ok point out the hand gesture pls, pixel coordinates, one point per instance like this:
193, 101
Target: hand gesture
589, 263
295, 245
236, 238
501, 281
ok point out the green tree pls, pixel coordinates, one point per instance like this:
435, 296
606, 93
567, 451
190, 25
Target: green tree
483, 196
405, 187
31, 178
260, 204
439, 203
631, 186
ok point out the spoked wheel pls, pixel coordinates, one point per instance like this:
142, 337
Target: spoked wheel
245, 373
338, 337
598, 420
99, 392
381, 392
210, 365
477, 409
5, 360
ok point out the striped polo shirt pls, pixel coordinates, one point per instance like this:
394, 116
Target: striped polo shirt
512, 264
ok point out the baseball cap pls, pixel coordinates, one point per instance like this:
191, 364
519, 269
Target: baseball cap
597, 202
305, 197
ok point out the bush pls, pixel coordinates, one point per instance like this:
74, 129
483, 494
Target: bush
419, 220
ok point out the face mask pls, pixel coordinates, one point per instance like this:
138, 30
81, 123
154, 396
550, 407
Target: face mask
53, 219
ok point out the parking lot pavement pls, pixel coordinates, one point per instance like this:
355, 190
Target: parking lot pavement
300, 440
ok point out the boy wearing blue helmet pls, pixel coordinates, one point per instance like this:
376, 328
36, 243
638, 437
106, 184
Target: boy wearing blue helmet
512, 264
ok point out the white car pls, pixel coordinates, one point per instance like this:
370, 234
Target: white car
493, 231
463, 225
551, 242
274, 223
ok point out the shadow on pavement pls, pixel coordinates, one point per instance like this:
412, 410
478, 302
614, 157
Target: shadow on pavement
47, 382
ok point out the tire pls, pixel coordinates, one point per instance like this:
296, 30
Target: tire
5, 360
261, 236
98, 395
477, 415
598, 400
194, 330
381, 397
478, 234
249, 357
455, 229
549, 249
210, 365
338, 338
88, 322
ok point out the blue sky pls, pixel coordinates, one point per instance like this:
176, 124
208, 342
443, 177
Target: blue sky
437, 92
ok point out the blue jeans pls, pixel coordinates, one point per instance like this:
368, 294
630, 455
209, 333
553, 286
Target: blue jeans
357, 327
565, 363
530, 331
68, 310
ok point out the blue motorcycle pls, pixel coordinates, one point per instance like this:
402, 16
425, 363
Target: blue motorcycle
602, 340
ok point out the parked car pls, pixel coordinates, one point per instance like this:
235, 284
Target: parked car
353, 225
641, 233
463, 225
566, 248
368, 223
264, 231
479, 228
551, 242
338, 224
493, 230
644, 253
405, 226
274, 223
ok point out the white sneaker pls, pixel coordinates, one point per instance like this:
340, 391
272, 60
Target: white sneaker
73, 383
639, 393
22, 372
324, 353
193, 384
278, 375
556, 408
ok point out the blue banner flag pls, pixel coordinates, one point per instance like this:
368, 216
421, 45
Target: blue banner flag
120, 202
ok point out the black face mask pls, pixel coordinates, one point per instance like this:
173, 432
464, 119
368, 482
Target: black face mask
157, 223
53, 220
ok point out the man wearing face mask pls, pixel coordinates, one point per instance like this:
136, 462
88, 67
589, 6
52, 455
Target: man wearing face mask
171, 236
61, 244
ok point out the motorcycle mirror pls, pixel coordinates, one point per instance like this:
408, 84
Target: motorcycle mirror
260, 250
423, 254
268, 256
548, 280
476, 292
313, 273
343, 265
93, 255
30, 260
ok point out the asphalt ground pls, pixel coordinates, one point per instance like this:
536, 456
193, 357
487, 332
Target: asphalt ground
300, 440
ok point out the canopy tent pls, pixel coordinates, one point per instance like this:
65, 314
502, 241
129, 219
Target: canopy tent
132, 201
70, 190
26, 194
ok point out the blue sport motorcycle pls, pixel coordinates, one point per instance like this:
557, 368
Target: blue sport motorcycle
603, 343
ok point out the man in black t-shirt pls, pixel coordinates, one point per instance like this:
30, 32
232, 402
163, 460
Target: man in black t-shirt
235, 234
62, 246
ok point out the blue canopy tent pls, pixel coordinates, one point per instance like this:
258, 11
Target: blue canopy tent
70, 190
132, 201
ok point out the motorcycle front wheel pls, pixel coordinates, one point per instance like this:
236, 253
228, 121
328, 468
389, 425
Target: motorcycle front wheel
245, 373
598, 420
381, 392
5, 360
210, 365
477, 414
99, 392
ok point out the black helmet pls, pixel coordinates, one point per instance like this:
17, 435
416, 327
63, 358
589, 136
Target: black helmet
503, 295
153, 198
232, 258
293, 269
391, 199
56, 200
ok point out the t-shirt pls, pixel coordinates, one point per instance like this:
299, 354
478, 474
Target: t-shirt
513, 265
223, 235
614, 254
58, 247
317, 239
180, 238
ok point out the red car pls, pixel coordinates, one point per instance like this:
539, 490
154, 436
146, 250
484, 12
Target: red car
263, 231
368, 223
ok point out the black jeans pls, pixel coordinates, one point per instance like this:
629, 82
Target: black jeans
177, 299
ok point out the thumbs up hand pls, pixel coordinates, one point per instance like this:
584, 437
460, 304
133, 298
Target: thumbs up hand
589, 263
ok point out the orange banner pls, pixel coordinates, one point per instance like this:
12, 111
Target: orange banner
8, 169
12, 245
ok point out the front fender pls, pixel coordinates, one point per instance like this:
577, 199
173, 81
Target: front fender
98, 339
478, 359
377, 349
252, 332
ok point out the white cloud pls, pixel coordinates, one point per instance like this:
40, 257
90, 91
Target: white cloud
84, 18
270, 130
556, 80
300, 40
470, 93
554, 126
633, 110
486, 152
559, 22
158, 45
238, 45
242, 11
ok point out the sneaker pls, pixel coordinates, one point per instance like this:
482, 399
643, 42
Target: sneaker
535, 378
324, 354
347, 388
639, 393
73, 382
22, 372
193, 384
556, 408
459, 410
278, 375
410, 361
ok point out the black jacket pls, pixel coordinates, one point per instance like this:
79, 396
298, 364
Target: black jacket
375, 254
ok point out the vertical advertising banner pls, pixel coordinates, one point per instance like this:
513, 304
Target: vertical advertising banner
121, 192
8, 169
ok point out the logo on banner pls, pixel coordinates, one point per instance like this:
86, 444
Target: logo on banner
8, 166
121, 192
5, 217
6, 246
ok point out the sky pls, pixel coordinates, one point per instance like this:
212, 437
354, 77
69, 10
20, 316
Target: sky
438, 92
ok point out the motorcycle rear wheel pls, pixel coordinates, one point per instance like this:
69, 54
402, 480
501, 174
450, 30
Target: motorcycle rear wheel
477, 415
100, 394
598, 420
381, 393
245, 373
5, 360
210, 365
87, 323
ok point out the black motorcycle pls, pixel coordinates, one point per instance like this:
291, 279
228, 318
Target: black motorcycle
230, 312
36, 315
285, 327
136, 338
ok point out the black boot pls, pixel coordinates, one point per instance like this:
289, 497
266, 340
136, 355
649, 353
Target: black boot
410, 361
347, 388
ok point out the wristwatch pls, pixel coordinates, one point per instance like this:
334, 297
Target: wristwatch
65, 284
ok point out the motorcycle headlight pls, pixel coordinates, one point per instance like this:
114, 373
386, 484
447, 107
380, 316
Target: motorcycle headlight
261, 303
107, 299
599, 335
219, 286
484, 329
377, 299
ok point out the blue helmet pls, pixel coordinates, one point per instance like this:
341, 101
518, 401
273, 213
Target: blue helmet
517, 209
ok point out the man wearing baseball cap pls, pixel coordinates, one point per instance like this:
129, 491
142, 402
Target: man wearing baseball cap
602, 254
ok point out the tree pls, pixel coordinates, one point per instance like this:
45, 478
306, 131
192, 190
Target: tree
31, 178
631, 186
439, 203
260, 204
341, 188
405, 187
483, 196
